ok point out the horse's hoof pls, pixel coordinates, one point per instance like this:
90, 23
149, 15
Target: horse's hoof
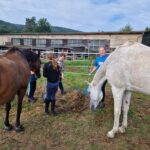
19, 128
8, 128
110, 134
122, 129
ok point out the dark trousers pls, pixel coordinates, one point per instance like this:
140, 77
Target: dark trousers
61, 87
103, 90
32, 88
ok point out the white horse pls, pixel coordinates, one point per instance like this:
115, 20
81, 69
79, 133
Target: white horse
126, 69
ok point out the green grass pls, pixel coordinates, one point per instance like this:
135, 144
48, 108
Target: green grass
75, 77
79, 63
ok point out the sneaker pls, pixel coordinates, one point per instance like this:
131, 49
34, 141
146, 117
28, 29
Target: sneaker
31, 100
47, 112
54, 113
34, 98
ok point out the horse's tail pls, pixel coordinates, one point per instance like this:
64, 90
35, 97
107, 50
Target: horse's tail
100, 76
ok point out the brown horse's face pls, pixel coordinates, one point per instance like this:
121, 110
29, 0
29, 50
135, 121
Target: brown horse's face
35, 63
33, 58
36, 67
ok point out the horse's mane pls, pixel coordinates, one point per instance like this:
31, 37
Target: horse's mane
27, 53
126, 44
12, 50
30, 55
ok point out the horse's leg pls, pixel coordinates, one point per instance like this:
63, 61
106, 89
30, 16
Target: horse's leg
117, 94
8, 126
19, 127
126, 104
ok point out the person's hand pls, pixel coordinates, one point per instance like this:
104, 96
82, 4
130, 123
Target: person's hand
62, 77
32, 72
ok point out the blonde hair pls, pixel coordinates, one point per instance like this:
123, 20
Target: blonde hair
53, 61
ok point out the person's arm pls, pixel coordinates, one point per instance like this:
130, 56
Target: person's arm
61, 75
62, 68
59, 72
93, 69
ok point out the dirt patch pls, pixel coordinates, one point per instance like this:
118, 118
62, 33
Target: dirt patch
73, 101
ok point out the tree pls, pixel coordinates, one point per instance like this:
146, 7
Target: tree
126, 28
43, 26
147, 29
4, 30
30, 24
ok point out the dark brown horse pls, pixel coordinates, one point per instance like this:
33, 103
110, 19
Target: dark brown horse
15, 68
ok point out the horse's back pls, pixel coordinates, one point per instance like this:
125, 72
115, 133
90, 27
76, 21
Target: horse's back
129, 67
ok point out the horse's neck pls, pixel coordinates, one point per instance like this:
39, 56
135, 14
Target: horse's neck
98, 82
29, 56
18, 58
100, 75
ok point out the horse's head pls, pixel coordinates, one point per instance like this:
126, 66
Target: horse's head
36, 65
34, 61
96, 95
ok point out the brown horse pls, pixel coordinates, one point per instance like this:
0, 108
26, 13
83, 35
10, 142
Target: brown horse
15, 68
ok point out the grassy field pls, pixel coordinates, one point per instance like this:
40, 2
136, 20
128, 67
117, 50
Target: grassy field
73, 130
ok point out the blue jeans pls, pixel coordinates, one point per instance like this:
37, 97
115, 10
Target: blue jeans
51, 90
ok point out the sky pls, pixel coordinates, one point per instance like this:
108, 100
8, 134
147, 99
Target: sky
82, 15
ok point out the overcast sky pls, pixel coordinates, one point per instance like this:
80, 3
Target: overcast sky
82, 15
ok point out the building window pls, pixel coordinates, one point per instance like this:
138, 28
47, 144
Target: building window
56, 43
95, 44
27, 42
41, 42
16, 41
75, 42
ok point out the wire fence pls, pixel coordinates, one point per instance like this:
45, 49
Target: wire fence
77, 65
79, 56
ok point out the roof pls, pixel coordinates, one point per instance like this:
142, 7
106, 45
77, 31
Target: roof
76, 33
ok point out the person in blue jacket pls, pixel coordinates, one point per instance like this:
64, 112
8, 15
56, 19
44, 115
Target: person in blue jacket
100, 59
31, 86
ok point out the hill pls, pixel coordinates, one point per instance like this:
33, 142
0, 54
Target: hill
6, 27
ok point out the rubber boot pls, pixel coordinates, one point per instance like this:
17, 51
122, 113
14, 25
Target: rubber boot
47, 107
53, 108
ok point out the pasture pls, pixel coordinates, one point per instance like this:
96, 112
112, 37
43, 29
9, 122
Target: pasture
76, 127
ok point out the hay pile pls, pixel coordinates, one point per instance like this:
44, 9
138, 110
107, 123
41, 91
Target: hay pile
73, 101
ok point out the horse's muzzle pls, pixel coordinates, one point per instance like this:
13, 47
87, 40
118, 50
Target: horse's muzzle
92, 108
